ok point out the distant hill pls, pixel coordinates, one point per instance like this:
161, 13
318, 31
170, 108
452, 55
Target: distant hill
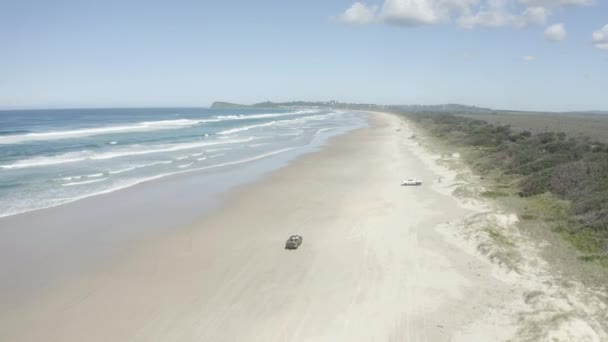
594, 112
221, 105
453, 108
268, 104
444, 108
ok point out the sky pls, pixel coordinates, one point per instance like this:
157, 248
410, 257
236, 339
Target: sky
505, 54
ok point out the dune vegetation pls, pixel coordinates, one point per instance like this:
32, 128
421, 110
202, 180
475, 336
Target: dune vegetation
561, 180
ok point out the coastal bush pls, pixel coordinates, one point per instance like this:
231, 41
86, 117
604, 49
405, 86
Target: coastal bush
494, 194
573, 169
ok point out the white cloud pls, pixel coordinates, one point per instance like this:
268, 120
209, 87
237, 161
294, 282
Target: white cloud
466, 13
557, 3
556, 32
498, 16
533, 16
529, 58
412, 12
493, 18
359, 13
600, 38
458, 6
492, 13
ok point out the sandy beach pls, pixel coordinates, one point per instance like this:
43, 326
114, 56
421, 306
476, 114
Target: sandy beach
372, 266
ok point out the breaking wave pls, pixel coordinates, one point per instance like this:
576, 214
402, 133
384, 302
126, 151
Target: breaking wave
73, 157
11, 138
83, 132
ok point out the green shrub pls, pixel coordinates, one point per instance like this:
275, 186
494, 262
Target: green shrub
573, 169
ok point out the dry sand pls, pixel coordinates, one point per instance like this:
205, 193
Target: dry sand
372, 267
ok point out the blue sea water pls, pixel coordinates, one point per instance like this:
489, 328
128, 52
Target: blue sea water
52, 157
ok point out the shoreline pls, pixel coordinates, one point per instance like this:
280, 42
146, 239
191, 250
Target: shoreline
318, 141
45, 248
371, 267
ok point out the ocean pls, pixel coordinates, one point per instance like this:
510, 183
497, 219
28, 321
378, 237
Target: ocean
53, 157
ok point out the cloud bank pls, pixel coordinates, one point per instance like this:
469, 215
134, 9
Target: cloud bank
467, 14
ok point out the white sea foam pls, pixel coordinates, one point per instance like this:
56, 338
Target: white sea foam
246, 160
294, 134
137, 127
72, 157
135, 167
219, 149
299, 121
260, 144
264, 116
69, 178
201, 159
83, 132
246, 128
127, 169
85, 182
185, 165
280, 123
95, 175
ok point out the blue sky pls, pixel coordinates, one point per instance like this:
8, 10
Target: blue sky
493, 53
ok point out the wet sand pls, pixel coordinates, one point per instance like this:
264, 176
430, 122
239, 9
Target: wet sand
372, 266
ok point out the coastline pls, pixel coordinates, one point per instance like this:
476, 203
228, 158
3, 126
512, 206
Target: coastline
18, 206
45, 248
372, 266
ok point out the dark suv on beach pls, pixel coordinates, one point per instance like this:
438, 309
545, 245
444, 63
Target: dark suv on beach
293, 242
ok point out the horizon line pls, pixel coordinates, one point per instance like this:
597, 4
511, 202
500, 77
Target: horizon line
338, 102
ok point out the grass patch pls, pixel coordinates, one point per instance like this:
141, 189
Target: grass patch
499, 238
600, 259
464, 191
547, 208
503, 186
584, 241
494, 194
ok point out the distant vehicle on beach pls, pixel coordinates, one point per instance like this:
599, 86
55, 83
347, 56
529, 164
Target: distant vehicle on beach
293, 242
411, 182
